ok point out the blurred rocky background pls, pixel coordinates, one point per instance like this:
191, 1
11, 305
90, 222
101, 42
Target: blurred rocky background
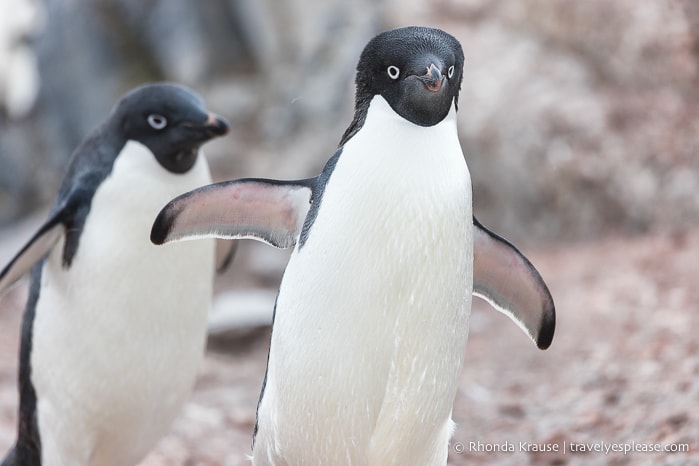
579, 120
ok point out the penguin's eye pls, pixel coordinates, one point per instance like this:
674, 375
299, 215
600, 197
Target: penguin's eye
393, 72
450, 72
157, 121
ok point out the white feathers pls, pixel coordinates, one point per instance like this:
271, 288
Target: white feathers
372, 314
118, 337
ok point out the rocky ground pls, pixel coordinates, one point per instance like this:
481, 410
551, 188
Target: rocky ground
623, 370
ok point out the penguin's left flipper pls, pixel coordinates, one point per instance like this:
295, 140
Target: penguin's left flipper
36, 249
510, 283
271, 211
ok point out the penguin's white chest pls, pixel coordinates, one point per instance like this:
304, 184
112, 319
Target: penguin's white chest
118, 336
372, 315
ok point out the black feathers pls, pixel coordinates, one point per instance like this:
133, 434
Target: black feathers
170, 120
411, 50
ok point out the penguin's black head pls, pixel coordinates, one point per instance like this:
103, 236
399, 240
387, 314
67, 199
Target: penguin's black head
418, 70
170, 120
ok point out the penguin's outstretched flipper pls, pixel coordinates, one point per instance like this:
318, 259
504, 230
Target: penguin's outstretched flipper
510, 283
271, 211
36, 249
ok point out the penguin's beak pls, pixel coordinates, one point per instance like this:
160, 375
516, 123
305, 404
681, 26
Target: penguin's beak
216, 125
433, 79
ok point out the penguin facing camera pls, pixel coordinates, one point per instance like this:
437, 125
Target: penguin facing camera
114, 328
372, 315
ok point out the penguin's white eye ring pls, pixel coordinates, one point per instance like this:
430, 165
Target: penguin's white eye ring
157, 121
393, 72
450, 72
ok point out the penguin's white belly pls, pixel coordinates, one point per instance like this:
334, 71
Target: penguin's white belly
119, 336
372, 315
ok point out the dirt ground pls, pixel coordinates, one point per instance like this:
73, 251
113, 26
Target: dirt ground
622, 372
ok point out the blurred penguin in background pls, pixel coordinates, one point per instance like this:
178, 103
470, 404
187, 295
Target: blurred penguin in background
114, 328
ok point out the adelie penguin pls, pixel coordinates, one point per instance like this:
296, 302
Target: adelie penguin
114, 328
372, 314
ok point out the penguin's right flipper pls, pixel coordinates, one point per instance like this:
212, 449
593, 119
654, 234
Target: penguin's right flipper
505, 278
36, 249
271, 211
